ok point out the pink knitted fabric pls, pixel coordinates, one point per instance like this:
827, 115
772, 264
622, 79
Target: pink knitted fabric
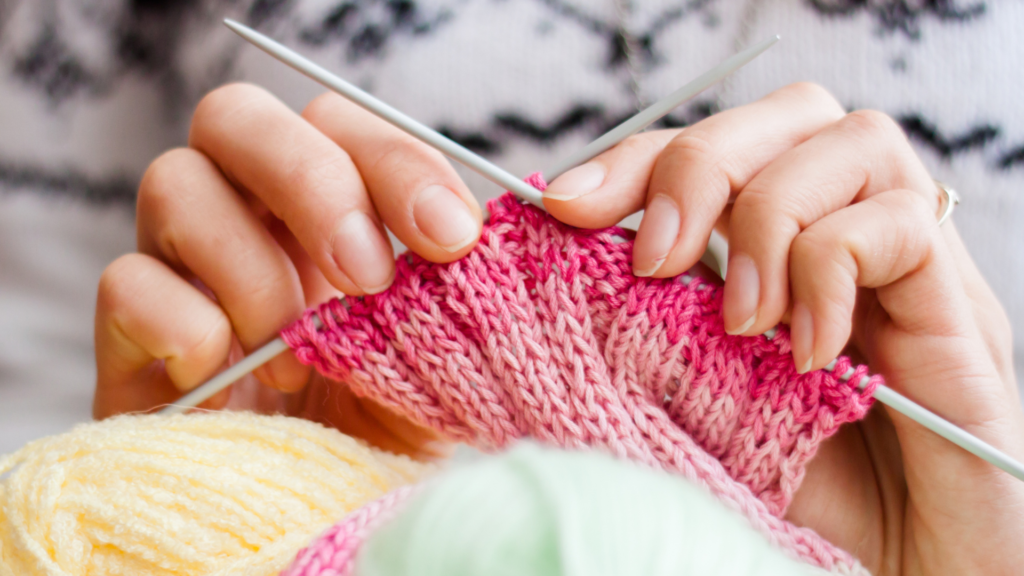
543, 331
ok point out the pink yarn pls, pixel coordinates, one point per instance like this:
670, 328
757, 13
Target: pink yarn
543, 331
333, 553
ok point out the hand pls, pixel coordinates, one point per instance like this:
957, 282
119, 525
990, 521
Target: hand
832, 227
265, 213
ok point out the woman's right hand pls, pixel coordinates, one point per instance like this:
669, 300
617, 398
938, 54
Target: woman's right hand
265, 213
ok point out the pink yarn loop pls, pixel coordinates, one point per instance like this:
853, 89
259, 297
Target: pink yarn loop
543, 331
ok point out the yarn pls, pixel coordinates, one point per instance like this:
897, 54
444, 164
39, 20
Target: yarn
204, 494
333, 553
543, 331
544, 512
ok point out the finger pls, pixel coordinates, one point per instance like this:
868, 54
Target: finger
921, 333
610, 187
416, 191
303, 177
687, 180
190, 217
888, 238
863, 154
146, 312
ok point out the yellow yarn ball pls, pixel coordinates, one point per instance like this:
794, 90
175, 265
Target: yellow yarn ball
204, 494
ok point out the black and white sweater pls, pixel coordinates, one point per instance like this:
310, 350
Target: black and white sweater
92, 90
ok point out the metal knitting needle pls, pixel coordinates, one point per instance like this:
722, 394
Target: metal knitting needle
939, 425
882, 393
453, 150
948, 430
659, 109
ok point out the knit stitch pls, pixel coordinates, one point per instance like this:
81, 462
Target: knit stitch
543, 331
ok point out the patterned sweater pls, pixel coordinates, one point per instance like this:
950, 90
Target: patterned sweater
91, 91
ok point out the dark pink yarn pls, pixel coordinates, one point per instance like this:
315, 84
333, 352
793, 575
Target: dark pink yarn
542, 331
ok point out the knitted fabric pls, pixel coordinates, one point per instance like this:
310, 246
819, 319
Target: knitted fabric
543, 331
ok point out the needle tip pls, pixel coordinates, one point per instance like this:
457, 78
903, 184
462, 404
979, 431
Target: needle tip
232, 24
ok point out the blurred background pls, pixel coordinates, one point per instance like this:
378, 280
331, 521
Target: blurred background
92, 90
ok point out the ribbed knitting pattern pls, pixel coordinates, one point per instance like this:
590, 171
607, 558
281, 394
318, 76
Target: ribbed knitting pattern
543, 331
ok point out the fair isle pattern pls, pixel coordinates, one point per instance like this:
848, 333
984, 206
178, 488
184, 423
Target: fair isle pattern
542, 331
333, 553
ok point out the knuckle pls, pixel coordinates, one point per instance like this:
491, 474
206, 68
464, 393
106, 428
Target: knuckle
910, 213
872, 124
910, 235
637, 146
823, 246
760, 201
691, 145
271, 290
811, 94
811, 244
226, 100
695, 151
323, 106
207, 344
395, 155
119, 282
917, 208
820, 250
159, 183
318, 172
168, 194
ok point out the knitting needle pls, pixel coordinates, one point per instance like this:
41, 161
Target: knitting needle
882, 393
935, 423
526, 192
659, 109
947, 430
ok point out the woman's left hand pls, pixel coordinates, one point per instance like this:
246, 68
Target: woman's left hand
831, 222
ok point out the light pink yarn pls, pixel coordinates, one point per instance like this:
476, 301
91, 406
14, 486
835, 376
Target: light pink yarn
542, 331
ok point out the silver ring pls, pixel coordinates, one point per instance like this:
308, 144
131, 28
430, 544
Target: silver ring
948, 199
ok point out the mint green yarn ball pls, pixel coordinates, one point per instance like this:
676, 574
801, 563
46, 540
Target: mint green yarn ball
541, 512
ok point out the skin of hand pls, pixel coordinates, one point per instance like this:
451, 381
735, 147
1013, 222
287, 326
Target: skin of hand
831, 223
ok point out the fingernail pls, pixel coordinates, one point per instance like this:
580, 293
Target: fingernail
444, 218
577, 182
742, 294
656, 237
362, 253
801, 339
